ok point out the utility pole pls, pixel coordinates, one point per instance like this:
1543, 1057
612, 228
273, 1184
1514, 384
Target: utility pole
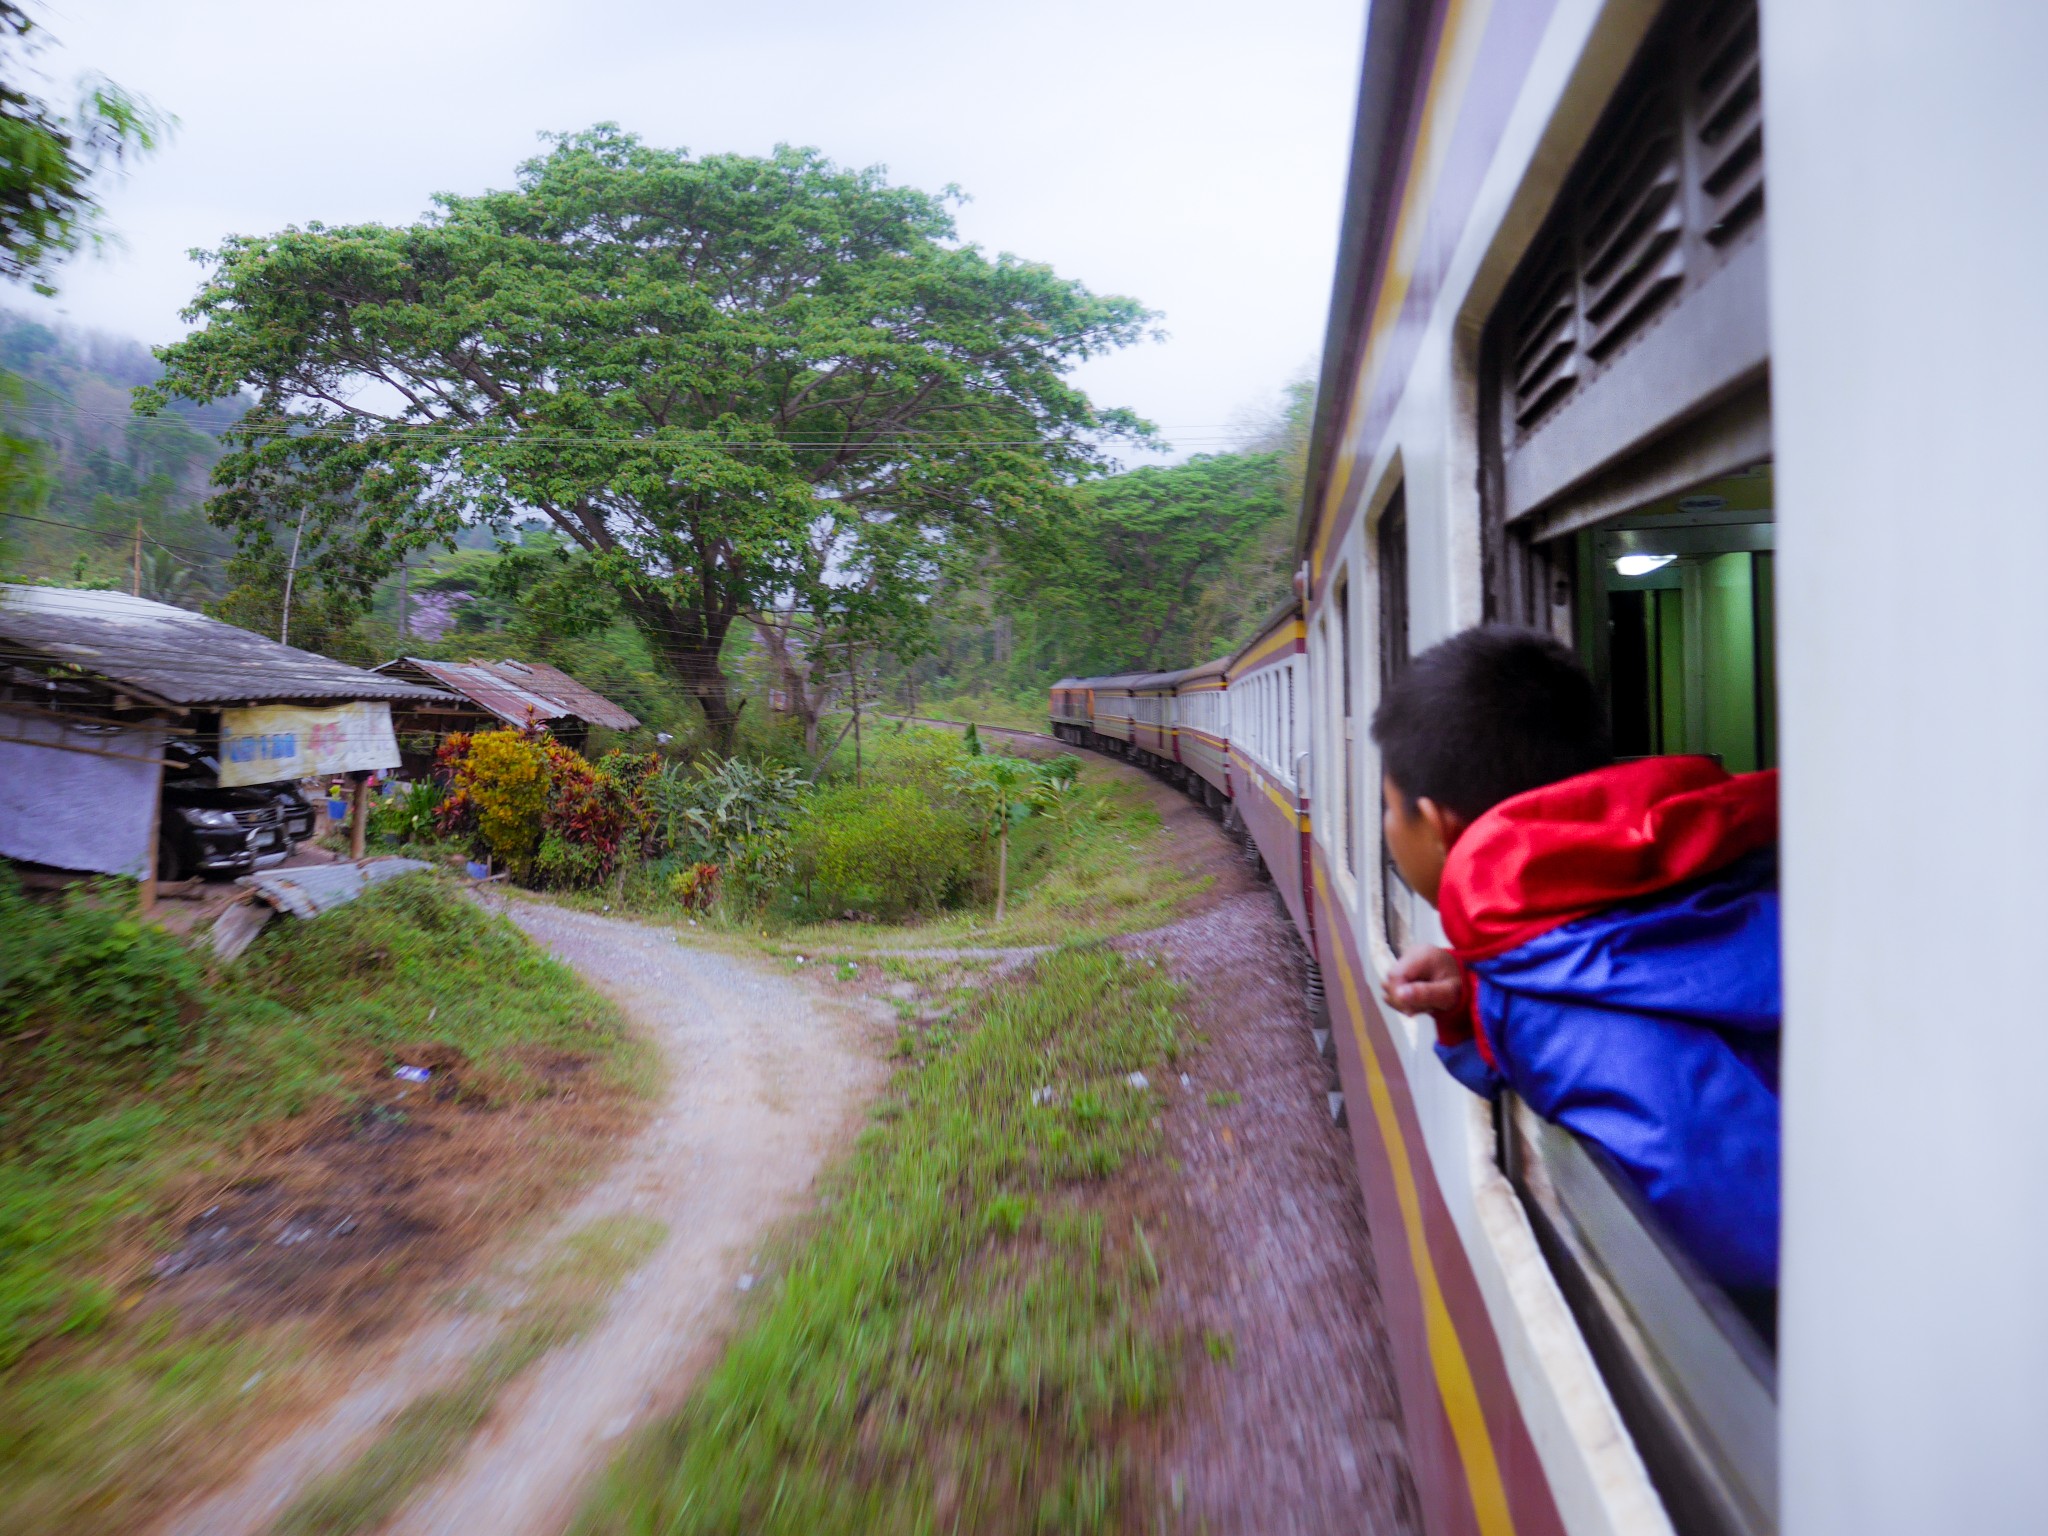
135, 584
404, 576
291, 569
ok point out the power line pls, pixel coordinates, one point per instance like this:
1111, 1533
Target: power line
436, 434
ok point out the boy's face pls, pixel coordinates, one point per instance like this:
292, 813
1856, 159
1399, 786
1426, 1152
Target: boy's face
1419, 836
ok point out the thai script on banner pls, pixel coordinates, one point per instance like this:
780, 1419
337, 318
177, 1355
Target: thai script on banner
271, 742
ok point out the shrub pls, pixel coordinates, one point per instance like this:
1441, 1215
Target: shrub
411, 817
499, 783
713, 809
887, 850
595, 815
90, 974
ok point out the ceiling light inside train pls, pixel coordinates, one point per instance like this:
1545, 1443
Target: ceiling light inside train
1641, 565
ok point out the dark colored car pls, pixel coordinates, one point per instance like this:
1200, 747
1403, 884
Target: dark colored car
207, 831
299, 817
188, 767
214, 832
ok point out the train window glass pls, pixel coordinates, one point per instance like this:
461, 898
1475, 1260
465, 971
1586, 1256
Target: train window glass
1685, 654
1347, 737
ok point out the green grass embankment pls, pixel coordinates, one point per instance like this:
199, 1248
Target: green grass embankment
140, 1082
964, 1339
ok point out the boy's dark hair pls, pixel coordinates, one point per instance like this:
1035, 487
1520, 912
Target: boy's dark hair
1488, 714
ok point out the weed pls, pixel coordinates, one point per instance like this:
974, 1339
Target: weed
1223, 1099
960, 1342
1222, 1347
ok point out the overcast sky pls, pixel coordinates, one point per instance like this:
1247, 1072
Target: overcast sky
1190, 153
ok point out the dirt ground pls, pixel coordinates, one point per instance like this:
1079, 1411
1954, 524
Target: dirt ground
765, 1077
352, 1224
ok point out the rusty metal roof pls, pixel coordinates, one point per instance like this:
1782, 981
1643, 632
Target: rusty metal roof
519, 692
175, 656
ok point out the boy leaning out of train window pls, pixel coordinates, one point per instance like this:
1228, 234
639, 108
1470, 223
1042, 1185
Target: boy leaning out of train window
1613, 930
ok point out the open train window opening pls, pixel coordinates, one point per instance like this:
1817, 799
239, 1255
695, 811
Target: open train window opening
1348, 765
1390, 548
1677, 622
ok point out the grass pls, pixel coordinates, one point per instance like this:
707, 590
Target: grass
1109, 870
426, 1436
133, 1074
966, 1334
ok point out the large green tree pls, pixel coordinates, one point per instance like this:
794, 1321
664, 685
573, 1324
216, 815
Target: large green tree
732, 382
1123, 584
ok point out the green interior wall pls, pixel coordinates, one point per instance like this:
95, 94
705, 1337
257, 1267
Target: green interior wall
1670, 672
1727, 609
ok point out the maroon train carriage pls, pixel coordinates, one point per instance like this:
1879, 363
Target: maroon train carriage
1266, 688
1072, 718
1201, 731
1152, 720
1113, 704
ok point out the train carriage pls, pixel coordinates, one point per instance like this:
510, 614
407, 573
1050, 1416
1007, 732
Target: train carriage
1071, 716
1576, 361
1201, 730
1113, 709
1268, 750
1152, 717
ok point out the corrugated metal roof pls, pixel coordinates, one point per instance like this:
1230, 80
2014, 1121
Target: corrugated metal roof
175, 655
519, 691
315, 888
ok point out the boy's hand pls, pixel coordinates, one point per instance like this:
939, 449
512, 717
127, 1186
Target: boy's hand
1425, 981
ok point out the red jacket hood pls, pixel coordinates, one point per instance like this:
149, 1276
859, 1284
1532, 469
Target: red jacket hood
1573, 848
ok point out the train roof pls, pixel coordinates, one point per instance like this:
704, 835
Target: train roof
1287, 613
1114, 680
1370, 206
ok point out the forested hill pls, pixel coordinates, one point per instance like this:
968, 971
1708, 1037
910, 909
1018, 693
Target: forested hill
1162, 567
101, 471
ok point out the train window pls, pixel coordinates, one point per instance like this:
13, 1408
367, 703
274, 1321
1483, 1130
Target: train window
1391, 547
1627, 505
1291, 764
1347, 737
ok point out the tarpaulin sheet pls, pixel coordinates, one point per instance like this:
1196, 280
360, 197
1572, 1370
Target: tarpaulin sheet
275, 742
78, 796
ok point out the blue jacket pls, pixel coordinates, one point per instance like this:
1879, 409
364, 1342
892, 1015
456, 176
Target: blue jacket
1648, 1026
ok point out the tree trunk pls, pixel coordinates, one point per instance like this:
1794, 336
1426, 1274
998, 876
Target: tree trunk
808, 697
687, 641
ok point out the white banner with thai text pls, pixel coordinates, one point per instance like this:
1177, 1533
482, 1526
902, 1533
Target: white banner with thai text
274, 742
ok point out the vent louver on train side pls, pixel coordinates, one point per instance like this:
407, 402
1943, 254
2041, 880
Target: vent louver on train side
1669, 186
1728, 117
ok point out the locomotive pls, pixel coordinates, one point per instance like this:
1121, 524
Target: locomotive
1752, 422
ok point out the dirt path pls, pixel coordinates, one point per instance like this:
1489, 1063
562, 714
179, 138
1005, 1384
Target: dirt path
765, 1080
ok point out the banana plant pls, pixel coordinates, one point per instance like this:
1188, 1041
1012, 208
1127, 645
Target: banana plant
1001, 788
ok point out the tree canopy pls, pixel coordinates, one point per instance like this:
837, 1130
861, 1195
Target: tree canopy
51, 158
1124, 585
731, 382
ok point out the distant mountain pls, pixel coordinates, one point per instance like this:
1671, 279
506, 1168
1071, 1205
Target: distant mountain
105, 472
